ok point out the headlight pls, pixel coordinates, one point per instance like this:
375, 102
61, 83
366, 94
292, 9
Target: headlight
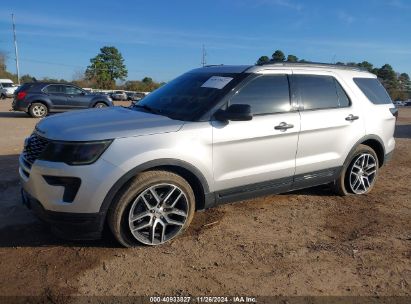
74, 153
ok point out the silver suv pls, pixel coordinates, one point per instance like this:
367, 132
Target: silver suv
213, 135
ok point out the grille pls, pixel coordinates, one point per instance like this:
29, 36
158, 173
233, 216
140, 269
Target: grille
33, 147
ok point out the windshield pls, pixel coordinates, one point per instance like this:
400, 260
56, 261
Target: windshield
7, 85
189, 96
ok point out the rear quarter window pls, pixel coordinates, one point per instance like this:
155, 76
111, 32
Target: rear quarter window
374, 90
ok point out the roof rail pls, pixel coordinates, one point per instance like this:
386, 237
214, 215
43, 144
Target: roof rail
314, 64
212, 65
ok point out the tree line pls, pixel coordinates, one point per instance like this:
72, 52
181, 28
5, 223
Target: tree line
397, 84
108, 67
103, 72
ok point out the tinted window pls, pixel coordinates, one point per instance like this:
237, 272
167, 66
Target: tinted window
374, 90
72, 90
317, 92
265, 94
54, 89
343, 100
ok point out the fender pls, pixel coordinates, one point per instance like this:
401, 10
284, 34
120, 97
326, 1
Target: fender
363, 139
102, 99
145, 166
39, 98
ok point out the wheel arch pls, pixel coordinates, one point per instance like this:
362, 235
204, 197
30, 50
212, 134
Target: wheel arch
189, 172
38, 101
375, 143
93, 104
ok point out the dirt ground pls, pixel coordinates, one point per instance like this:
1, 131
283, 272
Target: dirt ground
303, 243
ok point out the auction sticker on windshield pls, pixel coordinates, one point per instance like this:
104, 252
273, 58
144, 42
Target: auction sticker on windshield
216, 82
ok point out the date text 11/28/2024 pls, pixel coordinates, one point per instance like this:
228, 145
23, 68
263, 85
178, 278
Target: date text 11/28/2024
205, 299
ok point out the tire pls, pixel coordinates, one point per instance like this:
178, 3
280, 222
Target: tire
2, 96
133, 215
100, 105
38, 110
359, 172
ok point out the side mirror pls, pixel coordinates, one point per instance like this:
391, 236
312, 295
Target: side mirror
235, 112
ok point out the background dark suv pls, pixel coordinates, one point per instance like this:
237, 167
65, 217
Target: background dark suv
40, 98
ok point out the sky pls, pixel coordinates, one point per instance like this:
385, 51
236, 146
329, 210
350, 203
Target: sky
163, 39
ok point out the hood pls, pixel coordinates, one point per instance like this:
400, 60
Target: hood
107, 123
10, 89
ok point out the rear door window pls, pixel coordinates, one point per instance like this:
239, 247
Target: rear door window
374, 90
320, 92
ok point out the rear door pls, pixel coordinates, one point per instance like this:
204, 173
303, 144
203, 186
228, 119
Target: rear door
76, 97
57, 96
331, 123
257, 154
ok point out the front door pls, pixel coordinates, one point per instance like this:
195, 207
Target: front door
258, 154
76, 97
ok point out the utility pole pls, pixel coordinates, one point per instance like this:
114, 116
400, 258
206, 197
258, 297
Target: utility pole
203, 60
15, 50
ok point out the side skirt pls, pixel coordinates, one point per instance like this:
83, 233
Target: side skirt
301, 181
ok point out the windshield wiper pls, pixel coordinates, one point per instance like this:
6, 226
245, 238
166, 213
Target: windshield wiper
155, 111
146, 107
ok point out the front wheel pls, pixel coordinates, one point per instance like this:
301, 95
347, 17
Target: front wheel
152, 209
359, 174
38, 110
100, 105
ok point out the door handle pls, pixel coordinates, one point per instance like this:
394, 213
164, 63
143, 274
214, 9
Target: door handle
283, 126
351, 117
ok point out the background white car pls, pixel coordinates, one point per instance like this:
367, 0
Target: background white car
7, 88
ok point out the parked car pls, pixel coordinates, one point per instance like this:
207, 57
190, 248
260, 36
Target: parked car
7, 88
211, 136
40, 98
119, 95
400, 103
135, 96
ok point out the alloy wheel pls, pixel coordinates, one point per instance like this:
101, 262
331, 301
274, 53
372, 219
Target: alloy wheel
158, 214
363, 173
39, 110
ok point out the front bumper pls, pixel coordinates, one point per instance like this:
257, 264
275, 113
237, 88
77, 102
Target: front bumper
81, 216
72, 226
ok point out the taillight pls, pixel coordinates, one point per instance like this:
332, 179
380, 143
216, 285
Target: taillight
21, 95
394, 112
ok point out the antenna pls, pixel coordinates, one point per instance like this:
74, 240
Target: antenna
15, 50
204, 60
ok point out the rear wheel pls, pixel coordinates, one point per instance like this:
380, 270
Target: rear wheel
2, 96
38, 110
100, 105
152, 209
359, 174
